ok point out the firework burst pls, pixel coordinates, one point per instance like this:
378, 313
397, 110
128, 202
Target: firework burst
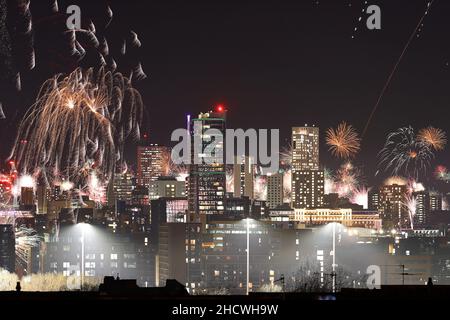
286, 156
433, 137
347, 180
360, 197
441, 173
343, 141
404, 154
77, 125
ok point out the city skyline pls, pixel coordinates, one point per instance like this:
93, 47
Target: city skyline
267, 150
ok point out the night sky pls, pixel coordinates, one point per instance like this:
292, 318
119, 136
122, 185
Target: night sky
274, 64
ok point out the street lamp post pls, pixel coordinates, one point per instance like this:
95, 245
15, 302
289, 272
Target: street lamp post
82, 257
333, 275
248, 253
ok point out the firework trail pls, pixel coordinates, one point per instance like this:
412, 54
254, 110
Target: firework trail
260, 187
23, 29
78, 125
2, 113
391, 75
287, 186
404, 153
343, 141
330, 186
359, 21
26, 238
95, 189
16, 43
5, 190
6, 66
229, 178
434, 137
179, 171
410, 205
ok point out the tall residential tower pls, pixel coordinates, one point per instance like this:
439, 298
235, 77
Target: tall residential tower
307, 179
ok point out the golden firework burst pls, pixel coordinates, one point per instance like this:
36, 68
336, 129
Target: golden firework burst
434, 137
343, 141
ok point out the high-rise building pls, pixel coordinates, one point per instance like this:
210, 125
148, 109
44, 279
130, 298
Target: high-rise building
391, 206
207, 180
422, 208
179, 252
374, 199
435, 201
243, 175
275, 192
43, 196
123, 186
26, 196
151, 163
167, 187
308, 189
305, 148
308, 182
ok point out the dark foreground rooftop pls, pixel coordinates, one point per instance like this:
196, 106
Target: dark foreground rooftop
122, 299
123, 289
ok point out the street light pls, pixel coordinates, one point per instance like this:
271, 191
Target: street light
333, 266
83, 226
334, 258
247, 220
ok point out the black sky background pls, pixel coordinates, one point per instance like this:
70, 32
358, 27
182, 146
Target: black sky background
274, 64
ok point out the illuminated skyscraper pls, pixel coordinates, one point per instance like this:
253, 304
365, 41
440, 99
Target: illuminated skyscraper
151, 163
207, 181
392, 207
305, 148
308, 182
422, 199
243, 175
123, 186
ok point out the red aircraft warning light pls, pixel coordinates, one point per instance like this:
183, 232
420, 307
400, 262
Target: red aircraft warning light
220, 108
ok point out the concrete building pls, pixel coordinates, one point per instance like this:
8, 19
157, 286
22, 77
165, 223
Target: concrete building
207, 180
152, 163
167, 187
275, 190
